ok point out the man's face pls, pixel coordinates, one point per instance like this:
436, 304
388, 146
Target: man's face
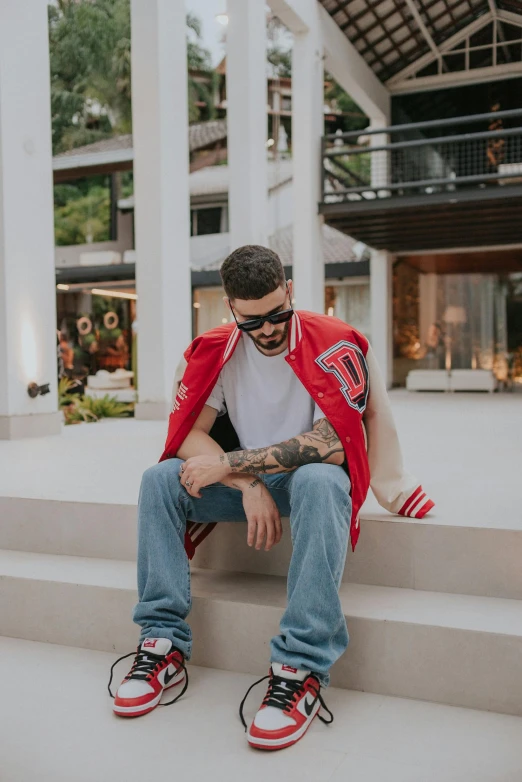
269, 339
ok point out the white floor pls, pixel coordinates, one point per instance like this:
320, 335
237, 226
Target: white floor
55, 716
465, 448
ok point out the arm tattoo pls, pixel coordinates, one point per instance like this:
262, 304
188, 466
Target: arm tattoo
319, 445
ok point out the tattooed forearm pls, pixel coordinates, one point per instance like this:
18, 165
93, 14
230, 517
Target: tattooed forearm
320, 445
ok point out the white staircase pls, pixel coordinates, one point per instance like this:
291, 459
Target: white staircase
434, 611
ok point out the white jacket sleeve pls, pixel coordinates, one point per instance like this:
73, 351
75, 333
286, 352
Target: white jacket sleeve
396, 490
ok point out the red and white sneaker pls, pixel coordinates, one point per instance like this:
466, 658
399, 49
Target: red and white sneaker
157, 666
292, 700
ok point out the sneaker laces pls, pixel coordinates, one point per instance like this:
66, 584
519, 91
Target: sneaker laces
144, 667
282, 694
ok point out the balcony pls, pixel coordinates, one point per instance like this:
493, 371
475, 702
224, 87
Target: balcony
450, 183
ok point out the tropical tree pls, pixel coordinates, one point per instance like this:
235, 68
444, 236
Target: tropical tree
199, 59
90, 62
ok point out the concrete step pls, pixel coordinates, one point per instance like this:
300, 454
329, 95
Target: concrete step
459, 650
410, 554
373, 737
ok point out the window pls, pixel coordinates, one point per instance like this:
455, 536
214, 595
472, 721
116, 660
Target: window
350, 301
209, 309
205, 221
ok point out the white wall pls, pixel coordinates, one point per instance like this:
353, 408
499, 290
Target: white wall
280, 208
69, 255
27, 291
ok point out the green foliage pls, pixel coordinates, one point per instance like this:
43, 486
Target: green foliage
338, 98
279, 53
86, 409
91, 70
105, 407
198, 59
75, 414
127, 183
81, 218
281, 60
65, 386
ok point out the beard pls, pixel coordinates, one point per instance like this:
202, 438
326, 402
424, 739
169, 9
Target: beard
278, 337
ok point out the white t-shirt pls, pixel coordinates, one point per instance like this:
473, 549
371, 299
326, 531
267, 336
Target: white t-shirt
265, 400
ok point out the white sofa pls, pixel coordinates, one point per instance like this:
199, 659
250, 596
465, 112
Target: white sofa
455, 380
427, 380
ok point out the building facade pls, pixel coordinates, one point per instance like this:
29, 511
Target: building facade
432, 188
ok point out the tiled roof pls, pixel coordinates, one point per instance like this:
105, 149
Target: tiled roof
214, 180
337, 248
201, 134
118, 148
116, 143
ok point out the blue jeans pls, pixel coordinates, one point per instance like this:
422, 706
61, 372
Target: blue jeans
316, 498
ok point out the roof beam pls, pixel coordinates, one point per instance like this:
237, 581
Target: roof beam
498, 33
410, 70
458, 78
341, 58
295, 14
350, 70
424, 30
390, 32
509, 17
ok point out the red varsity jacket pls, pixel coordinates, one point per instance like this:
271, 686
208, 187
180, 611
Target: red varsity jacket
337, 367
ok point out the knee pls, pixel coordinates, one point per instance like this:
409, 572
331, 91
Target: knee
321, 480
161, 476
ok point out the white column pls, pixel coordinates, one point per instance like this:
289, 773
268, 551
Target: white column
161, 191
28, 352
381, 280
247, 122
307, 130
381, 311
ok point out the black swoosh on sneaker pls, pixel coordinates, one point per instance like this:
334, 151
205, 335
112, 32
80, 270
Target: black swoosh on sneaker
167, 679
309, 706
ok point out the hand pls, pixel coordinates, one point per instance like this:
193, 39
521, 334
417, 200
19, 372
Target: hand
200, 471
262, 514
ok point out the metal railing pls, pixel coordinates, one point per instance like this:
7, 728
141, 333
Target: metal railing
477, 151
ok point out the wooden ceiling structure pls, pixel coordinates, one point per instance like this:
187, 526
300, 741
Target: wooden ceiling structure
419, 46
410, 223
502, 260
397, 37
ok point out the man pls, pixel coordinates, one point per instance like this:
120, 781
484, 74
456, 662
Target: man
291, 390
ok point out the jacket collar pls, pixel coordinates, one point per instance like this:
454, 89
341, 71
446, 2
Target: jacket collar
231, 343
295, 335
295, 332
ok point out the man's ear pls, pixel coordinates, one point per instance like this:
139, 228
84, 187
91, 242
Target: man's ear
290, 284
227, 303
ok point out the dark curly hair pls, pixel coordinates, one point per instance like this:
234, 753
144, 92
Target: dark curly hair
251, 272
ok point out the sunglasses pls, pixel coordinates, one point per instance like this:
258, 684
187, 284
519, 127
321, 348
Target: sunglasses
256, 323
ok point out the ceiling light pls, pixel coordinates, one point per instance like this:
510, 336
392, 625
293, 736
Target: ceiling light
114, 294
